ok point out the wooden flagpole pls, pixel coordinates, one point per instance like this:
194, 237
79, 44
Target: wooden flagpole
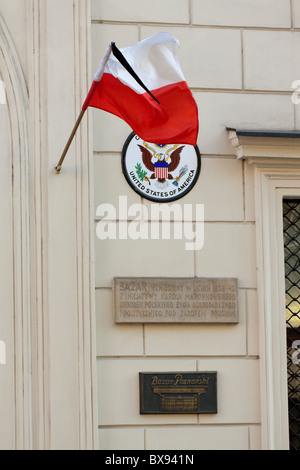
63, 156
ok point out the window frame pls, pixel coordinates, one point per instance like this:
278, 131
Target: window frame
272, 186
275, 156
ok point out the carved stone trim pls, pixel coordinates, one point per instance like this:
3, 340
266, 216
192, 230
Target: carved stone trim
17, 102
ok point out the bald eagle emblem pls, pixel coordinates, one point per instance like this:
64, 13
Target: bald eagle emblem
160, 165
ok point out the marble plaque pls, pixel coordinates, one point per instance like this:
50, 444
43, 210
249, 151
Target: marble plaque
175, 300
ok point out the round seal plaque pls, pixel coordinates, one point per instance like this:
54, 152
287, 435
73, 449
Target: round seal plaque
160, 173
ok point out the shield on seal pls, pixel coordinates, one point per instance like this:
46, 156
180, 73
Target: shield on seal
161, 170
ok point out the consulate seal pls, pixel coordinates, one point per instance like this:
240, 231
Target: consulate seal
160, 173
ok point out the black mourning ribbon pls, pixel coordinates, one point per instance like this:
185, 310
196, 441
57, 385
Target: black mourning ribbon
118, 54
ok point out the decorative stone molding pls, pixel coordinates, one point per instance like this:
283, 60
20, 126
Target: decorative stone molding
17, 103
265, 144
62, 278
276, 160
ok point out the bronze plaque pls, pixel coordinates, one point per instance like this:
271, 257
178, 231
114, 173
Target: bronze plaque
178, 392
175, 300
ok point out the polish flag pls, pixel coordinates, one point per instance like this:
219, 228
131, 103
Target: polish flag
164, 114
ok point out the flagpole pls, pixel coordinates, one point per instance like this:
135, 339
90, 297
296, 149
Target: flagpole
97, 79
63, 156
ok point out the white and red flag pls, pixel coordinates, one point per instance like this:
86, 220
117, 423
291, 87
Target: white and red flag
144, 85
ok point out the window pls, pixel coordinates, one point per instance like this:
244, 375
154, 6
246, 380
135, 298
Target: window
291, 228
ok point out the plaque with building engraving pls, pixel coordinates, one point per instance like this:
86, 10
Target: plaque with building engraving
178, 393
175, 300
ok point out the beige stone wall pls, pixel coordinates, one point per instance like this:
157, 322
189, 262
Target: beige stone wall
239, 58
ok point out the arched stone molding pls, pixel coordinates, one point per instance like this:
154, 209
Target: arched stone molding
17, 105
52, 229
